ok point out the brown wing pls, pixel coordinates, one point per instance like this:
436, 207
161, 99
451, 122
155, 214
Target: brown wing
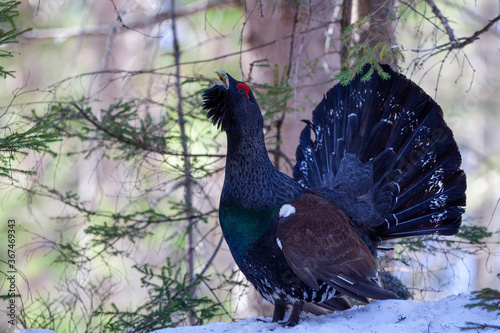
320, 243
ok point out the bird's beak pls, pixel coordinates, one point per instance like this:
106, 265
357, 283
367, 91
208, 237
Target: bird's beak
222, 78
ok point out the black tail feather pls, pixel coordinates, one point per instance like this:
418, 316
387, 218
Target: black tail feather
383, 152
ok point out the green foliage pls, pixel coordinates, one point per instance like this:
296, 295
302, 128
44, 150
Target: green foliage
476, 327
274, 98
170, 300
348, 74
147, 143
487, 299
363, 52
125, 134
474, 234
118, 128
143, 139
51, 316
470, 240
477, 236
8, 31
69, 310
37, 138
139, 215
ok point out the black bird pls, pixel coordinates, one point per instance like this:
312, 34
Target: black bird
382, 164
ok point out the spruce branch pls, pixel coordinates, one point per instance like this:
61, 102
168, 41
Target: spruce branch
9, 35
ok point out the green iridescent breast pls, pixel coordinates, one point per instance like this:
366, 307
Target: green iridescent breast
244, 226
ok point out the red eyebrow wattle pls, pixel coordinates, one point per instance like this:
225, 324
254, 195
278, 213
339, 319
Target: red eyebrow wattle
245, 87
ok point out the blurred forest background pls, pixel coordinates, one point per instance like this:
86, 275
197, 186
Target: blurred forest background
116, 221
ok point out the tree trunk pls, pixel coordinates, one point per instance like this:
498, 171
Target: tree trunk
381, 28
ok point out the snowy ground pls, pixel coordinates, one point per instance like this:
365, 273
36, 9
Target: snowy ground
390, 316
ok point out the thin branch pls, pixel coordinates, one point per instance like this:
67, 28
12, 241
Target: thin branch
493, 213
461, 42
444, 21
261, 9
209, 261
111, 134
218, 300
408, 5
193, 62
67, 33
279, 152
469, 12
137, 143
476, 35
167, 192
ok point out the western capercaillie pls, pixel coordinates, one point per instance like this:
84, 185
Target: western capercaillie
382, 164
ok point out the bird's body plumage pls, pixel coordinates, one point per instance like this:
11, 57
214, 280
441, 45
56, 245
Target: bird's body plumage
382, 164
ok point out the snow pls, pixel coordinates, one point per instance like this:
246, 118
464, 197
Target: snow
388, 316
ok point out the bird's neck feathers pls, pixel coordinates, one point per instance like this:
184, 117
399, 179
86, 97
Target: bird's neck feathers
246, 142
251, 179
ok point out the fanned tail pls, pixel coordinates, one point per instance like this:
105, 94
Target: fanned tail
383, 152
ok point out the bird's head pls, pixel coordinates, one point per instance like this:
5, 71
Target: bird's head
231, 104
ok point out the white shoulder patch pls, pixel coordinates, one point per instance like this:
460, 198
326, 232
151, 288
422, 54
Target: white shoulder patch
279, 243
287, 210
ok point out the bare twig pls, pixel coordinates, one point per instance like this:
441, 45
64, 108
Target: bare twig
494, 210
409, 5
444, 21
476, 35
279, 152
461, 42
159, 70
470, 13
67, 33
218, 300
209, 261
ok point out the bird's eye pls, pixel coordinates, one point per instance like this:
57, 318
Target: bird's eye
243, 89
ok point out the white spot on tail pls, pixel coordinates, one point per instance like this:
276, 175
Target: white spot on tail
438, 217
287, 210
439, 202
